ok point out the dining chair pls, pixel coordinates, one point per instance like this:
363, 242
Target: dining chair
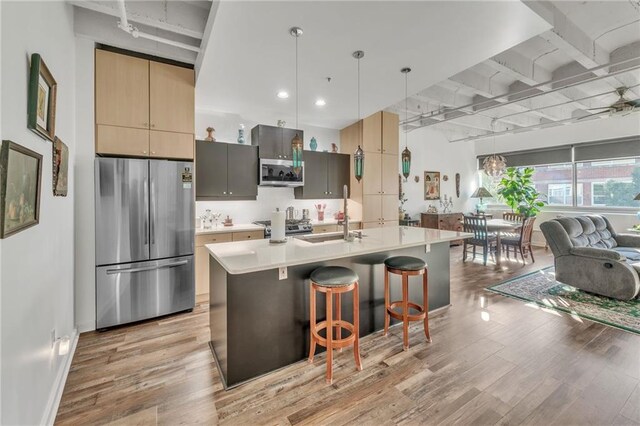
481, 237
521, 243
511, 217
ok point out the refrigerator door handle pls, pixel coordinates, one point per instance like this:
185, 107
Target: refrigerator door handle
154, 210
146, 268
146, 212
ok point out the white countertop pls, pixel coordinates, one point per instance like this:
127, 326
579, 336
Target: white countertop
242, 257
220, 229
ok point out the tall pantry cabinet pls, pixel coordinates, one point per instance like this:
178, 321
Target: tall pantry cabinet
143, 108
377, 192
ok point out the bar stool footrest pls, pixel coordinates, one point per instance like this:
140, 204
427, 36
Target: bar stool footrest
336, 343
421, 315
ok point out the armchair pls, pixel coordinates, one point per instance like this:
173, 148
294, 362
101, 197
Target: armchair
591, 256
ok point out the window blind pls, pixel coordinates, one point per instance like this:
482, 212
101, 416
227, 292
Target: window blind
536, 157
609, 149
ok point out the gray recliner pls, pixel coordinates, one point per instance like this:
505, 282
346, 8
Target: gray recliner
590, 255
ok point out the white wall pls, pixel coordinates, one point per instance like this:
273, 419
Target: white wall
37, 263
431, 151
85, 290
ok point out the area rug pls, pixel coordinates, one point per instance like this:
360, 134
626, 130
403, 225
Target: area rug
541, 288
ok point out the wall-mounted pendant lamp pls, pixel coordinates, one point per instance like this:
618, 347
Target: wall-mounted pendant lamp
406, 154
296, 142
358, 156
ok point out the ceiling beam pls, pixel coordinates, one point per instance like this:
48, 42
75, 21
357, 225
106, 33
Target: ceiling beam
525, 69
569, 37
176, 17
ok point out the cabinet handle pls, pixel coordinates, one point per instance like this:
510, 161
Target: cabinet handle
230, 193
224, 193
153, 152
330, 193
383, 192
153, 125
145, 124
144, 152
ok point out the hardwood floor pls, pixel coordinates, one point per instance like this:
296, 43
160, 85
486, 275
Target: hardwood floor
493, 360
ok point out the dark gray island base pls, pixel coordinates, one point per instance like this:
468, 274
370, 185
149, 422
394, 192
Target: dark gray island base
260, 324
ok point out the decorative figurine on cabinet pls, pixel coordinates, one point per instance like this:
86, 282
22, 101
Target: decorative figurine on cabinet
211, 134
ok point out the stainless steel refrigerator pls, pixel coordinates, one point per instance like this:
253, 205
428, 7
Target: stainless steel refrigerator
144, 239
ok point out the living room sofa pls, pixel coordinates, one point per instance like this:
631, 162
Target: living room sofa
591, 256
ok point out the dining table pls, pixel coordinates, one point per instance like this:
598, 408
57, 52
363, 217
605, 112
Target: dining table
501, 226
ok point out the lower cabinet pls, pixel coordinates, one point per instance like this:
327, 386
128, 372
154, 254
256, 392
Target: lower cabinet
322, 229
202, 254
443, 221
380, 224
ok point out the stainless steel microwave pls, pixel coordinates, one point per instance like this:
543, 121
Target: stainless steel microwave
280, 173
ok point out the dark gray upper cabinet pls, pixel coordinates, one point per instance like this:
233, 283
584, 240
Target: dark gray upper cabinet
226, 171
325, 175
274, 142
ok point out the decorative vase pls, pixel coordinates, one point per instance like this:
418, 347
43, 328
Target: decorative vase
210, 135
334, 148
241, 134
313, 144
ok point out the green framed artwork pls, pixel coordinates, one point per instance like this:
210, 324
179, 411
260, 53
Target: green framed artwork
20, 172
60, 168
41, 104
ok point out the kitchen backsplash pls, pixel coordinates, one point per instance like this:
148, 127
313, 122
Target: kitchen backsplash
270, 198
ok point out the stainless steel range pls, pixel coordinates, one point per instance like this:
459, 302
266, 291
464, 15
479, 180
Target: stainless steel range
292, 227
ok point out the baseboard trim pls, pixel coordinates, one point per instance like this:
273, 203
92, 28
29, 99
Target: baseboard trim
51, 410
86, 326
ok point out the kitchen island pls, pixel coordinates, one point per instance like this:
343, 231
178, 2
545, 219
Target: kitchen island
259, 292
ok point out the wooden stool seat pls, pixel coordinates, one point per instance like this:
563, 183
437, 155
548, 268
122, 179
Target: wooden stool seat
406, 266
333, 281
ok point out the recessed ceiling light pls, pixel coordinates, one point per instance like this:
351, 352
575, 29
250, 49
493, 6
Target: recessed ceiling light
283, 95
321, 102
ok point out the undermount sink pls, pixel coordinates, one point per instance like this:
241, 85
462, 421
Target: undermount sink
321, 238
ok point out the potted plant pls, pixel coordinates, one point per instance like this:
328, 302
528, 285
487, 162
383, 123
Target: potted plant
517, 190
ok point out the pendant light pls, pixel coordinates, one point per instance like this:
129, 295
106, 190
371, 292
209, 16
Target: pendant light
406, 154
358, 156
494, 165
296, 142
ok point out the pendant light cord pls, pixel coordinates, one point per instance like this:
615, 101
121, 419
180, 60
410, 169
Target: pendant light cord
296, 82
406, 109
358, 88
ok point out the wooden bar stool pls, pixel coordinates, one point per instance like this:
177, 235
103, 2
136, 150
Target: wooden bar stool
333, 281
406, 266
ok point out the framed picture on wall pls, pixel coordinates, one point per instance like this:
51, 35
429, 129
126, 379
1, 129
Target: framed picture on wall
41, 103
60, 168
431, 185
20, 172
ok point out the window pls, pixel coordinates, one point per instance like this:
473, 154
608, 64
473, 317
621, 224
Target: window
559, 194
556, 182
612, 183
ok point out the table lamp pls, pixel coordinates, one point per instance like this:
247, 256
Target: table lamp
481, 193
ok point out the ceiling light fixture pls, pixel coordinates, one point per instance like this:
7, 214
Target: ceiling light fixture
358, 156
283, 94
494, 165
296, 142
321, 102
406, 154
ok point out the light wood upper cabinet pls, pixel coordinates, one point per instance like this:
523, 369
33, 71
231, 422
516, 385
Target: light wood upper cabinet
114, 140
143, 108
372, 178
390, 133
371, 133
171, 145
371, 208
172, 98
390, 204
121, 90
390, 174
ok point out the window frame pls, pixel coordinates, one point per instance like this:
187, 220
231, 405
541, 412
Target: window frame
574, 193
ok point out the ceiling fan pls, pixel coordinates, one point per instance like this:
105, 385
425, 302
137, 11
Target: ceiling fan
622, 106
